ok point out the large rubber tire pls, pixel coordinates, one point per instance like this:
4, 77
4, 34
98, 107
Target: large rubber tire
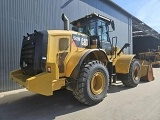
93, 81
133, 77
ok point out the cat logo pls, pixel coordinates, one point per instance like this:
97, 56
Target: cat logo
84, 41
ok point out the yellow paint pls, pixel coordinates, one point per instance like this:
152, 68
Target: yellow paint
122, 64
73, 61
97, 83
63, 32
45, 83
76, 57
17, 75
57, 84
52, 50
144, 67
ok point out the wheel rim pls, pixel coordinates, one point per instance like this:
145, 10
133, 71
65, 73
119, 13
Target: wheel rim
97, 83
136, 73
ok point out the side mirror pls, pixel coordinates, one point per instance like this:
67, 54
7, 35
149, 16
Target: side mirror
112, 25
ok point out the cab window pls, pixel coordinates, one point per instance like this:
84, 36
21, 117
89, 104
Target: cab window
102, 33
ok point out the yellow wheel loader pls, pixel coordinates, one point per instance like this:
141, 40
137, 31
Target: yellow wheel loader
84, 60
152, 56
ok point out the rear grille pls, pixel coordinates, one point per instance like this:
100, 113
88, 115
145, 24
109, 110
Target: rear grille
31, 54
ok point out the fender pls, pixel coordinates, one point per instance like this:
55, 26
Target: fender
75, 62
123, 63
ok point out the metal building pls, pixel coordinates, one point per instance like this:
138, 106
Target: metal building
19, 17
144, 37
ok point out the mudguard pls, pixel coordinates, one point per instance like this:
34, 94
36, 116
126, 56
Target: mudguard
122, 64
75, 62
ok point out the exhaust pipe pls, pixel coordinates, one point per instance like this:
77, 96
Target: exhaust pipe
66, 22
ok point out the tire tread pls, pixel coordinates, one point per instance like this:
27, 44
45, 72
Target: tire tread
79, 93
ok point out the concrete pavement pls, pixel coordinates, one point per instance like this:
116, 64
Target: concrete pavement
139, 103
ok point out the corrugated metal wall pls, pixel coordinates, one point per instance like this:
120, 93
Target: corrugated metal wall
17, 17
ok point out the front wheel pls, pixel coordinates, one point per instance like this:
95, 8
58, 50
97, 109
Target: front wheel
92, 83
133, 77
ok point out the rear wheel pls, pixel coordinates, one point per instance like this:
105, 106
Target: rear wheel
92, 83
133, 77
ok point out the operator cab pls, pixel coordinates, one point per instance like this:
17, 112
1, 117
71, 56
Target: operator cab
97, 28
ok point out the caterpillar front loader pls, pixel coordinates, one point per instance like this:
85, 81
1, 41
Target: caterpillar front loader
152, 56
84, 60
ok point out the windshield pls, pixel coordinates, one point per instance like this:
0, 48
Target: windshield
97, 28
88, 28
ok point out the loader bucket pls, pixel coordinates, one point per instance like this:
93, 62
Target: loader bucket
146, 71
